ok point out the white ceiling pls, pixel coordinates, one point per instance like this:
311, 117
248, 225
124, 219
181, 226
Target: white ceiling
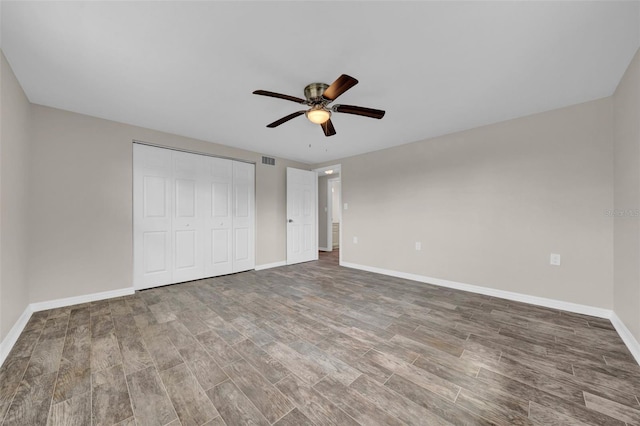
436, 67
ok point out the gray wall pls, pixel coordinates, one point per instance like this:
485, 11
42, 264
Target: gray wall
626, 102
490, 204
14, 152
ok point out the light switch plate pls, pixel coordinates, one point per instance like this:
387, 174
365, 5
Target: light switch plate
554, 259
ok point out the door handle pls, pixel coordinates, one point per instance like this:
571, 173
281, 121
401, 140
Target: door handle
290, 220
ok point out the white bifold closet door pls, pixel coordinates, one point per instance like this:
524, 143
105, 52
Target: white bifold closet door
194, 216
218, 223
187, 229
243, 216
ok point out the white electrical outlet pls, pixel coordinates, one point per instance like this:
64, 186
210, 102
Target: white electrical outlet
355, 240
346, 206
554, 259
418, 246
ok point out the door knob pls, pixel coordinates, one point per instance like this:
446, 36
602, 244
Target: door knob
290, 220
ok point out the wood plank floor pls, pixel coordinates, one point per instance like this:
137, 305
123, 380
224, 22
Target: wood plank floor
316, 344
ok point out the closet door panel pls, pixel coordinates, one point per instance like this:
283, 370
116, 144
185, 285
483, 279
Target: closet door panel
188, 216
243, 216
186, 199
242, 247
185, 250
152, 246
154, 196
218, 222
220, 255
221, 196
155, 248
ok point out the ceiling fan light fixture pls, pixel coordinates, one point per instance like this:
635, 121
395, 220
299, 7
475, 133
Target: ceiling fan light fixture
318, 115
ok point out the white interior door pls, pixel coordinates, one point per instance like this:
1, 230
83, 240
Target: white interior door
218, 223
302, 199
243, 216
152, 242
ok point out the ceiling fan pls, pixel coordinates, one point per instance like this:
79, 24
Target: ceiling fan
318, 97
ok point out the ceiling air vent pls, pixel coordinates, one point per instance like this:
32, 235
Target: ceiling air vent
268, 161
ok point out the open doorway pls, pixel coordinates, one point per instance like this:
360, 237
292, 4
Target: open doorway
333, 236
329, 208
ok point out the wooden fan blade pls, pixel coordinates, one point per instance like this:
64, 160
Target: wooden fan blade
338, 87
280, 95
285, 119
328, 128
356, 110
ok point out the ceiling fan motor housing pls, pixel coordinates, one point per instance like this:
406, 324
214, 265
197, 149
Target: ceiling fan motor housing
313, 92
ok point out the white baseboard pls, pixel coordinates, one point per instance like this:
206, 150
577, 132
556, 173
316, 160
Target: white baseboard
12, 337
270, 265
324, 249
7, 343
518, 297
626, 336
623, 331
68, 301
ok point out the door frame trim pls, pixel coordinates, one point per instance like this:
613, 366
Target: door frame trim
330, 183
337, 169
